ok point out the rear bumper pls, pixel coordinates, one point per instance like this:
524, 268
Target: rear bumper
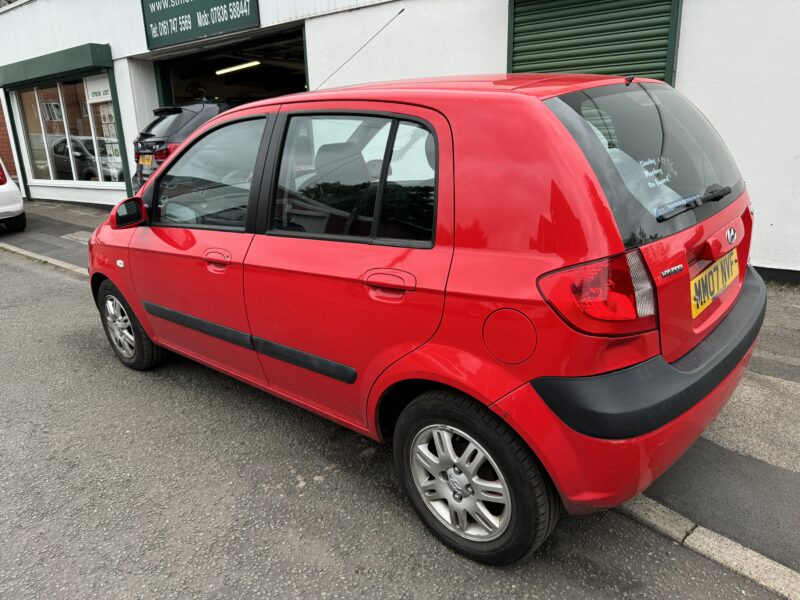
603, 439
10, 202
634, 401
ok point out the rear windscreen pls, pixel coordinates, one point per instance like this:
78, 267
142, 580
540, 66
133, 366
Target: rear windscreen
167, 124
654, 155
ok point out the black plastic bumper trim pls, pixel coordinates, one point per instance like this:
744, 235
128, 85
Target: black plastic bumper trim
634, 401
286, 354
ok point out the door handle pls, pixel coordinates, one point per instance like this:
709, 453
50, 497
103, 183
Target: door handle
390, 279
217, 256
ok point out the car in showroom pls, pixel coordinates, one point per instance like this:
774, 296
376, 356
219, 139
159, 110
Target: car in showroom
88, 163
537, 287
12, 209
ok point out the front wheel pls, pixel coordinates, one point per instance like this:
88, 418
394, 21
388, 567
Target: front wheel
472, 480
126, 335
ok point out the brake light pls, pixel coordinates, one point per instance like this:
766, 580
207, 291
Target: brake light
2, 176
135, 156
611, 296
162, 155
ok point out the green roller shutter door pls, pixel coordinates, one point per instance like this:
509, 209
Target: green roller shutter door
616, 37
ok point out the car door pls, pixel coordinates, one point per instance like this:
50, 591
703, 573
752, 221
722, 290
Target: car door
187, 266
61, 162
347, 271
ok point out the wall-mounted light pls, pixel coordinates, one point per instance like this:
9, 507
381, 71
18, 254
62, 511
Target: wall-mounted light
247, 65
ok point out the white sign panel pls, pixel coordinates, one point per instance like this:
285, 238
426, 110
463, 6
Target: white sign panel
98, 89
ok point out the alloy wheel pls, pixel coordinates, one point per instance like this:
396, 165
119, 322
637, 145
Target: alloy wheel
119, 327
460, 483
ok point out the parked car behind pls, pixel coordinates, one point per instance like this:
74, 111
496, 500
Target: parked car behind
540, 291
169, 127
12, 210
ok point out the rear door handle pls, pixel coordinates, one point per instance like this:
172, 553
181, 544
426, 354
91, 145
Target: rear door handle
390, 279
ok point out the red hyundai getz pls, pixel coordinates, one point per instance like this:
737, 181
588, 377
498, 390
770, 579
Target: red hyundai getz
536, 285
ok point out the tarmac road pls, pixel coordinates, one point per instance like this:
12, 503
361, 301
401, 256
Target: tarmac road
182, 482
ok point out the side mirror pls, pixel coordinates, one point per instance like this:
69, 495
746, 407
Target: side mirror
78, 154
128, 213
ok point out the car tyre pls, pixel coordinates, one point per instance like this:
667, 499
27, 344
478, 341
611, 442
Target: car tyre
125, 333
17, 224
456, 493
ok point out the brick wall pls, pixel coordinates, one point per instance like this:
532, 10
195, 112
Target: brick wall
5, 147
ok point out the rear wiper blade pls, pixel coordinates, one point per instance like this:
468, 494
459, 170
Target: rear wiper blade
714, 195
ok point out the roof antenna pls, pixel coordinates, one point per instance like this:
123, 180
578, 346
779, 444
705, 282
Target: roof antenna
629, 79
360, 49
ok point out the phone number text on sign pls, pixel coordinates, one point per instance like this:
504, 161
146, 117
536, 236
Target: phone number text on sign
171, 26
229, 11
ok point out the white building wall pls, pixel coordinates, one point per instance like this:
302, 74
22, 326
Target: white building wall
43, 26
137, 96
430, 38
738, 62
38, 27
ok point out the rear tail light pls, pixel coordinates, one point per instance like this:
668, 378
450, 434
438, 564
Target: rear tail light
611, 296
135, 155
162, 155
2, 176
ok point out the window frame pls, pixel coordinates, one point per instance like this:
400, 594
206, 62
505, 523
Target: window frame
267, 206
151, 195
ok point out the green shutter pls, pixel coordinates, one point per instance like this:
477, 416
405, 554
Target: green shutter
615, 37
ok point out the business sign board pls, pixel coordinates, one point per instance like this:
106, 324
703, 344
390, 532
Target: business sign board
170, 22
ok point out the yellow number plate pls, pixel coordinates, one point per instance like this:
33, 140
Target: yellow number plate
145, 160
710, 283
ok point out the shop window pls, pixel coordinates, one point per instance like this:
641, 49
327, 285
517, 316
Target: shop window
71, 132
37, 151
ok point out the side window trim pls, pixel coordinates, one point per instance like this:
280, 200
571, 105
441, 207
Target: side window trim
387, 158
151, 195
271, 173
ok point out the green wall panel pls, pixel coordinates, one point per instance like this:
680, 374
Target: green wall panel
619, 37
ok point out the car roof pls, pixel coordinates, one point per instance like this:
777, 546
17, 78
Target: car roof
540, 85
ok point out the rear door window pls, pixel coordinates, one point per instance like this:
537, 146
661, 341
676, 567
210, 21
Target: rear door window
654, 154
334, 180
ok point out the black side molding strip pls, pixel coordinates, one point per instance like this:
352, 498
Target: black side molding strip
305, 360
634, 401
292, 356
234, 336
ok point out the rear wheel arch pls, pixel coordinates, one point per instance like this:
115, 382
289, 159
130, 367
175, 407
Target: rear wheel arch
396, 397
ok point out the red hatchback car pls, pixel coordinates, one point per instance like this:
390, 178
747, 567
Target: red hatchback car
538, 286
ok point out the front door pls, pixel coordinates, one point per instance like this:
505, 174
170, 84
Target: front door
349, 271
188, 265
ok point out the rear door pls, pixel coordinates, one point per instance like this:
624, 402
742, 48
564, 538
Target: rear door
347, 271
187, 266
676, 194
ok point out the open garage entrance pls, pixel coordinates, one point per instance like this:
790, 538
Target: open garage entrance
239, 71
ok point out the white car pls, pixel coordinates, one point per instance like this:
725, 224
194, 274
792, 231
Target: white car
12, 212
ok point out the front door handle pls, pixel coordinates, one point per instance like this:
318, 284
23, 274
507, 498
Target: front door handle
390, 279
217, 259
217, 256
